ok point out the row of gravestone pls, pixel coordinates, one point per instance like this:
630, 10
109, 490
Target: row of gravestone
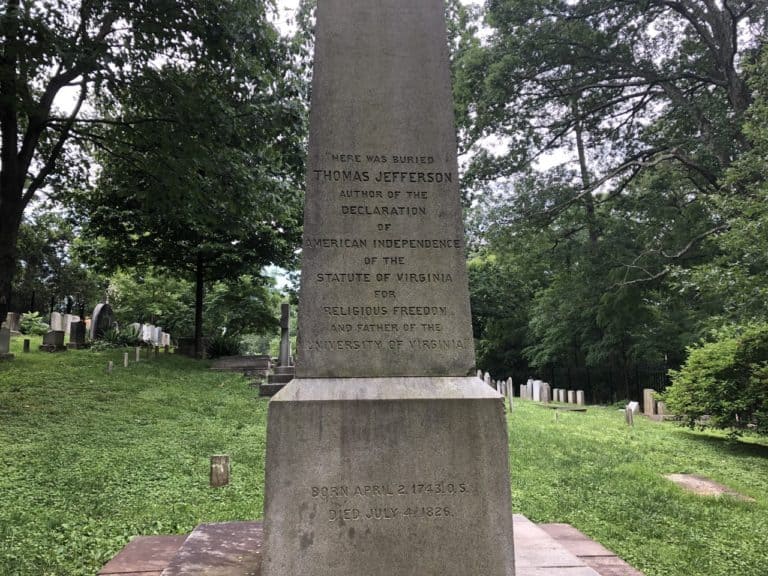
536, 390
100, 322
503, 387
151, 333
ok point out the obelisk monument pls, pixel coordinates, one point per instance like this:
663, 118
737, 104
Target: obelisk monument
384, 456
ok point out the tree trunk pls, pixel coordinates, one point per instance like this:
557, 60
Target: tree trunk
10, 219
199, 294
11, 178
589, 204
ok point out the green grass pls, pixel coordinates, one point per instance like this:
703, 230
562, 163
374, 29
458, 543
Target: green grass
592, 471
89, 460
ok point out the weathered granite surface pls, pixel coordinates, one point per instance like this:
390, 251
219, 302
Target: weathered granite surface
382, 476
383, 455
384, 288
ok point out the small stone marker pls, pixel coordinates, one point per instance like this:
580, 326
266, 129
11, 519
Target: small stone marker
487, 379
25, 349
634, 406
661, 408
138, 353
571, 397
580, 398
219, 470
629, 416
125, 360
110, 367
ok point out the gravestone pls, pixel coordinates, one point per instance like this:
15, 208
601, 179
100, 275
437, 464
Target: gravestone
629, 416
5, 343
580, 398
13, 323
102, 320
545, 393
53, 341
57, 322
383, 455
284, 372
68, 320
634, 407
536, 391
571, 396
77, 335
649, 402
284, 358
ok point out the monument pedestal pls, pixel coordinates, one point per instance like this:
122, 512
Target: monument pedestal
382, 476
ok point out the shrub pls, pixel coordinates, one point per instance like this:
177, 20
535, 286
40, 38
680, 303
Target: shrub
32, 324
224, 345
727, 380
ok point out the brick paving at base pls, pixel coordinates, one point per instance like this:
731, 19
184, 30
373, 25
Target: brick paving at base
234, 549
593, 554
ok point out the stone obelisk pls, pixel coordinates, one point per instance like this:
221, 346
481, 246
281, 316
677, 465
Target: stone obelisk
383, 455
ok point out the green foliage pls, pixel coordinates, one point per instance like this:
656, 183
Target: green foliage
224, 345
32, 323
49, 273
96, 49
725, 379
151, 296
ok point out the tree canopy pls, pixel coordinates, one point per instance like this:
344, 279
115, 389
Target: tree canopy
61, 50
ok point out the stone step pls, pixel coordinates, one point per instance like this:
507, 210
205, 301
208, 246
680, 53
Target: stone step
270, 388
234, 549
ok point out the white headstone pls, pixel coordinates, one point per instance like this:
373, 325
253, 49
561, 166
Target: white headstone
57, 322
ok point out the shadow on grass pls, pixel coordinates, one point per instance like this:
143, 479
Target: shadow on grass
751, 447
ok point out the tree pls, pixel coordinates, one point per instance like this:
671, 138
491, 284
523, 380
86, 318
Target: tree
630, 85
210, 192
601, 134
50, 276
58, 47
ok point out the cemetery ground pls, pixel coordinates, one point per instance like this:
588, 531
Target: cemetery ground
90, 459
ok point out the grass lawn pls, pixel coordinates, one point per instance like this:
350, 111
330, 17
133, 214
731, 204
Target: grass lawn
90, 459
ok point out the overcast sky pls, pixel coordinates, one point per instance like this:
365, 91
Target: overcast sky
286, 8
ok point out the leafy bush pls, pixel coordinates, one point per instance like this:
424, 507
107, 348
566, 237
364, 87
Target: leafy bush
224, 345
726, 379
114, 338
31, 323
130, 336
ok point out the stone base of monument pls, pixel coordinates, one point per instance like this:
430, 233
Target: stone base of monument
235, 549
382, 476
275, 382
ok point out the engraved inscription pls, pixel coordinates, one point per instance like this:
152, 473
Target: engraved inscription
403, 501
388, 211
